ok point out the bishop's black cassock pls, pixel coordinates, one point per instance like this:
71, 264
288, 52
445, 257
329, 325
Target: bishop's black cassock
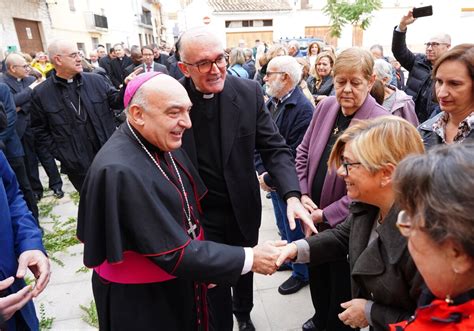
130, 214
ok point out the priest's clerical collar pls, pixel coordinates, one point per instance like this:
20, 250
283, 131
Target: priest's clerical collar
200, 94
68, 81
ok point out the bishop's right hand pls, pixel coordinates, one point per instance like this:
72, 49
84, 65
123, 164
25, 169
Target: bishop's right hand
265, 256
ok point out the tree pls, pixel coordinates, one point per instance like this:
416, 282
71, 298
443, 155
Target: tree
355, 12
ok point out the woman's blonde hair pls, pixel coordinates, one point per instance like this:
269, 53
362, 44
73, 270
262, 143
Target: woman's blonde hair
332, 60
378, 142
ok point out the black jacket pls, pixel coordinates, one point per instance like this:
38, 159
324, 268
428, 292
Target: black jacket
419, 83
118, 73
55, 124
246, 126
22, 96
431, 138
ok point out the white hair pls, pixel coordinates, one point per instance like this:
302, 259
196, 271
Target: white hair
290, 66
383, 69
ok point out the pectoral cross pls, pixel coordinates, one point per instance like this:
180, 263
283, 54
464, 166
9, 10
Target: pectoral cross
335, 131
192, 229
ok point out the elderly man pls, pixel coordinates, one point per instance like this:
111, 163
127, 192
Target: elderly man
230, 122
294, 49
71, 112
21, 85
20, 248
419, 83
11, 144
144, 237
292, 112
94, 58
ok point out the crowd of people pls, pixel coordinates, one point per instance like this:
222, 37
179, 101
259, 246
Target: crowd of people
369, 175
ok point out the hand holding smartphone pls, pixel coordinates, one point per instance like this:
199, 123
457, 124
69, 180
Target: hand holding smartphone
422, 11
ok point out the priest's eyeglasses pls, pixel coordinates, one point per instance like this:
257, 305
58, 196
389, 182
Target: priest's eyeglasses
347, 165
26, 66
206, 66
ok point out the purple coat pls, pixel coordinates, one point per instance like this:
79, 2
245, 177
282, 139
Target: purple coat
334, 201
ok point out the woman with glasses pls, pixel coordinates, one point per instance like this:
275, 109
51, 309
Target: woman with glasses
453, 75
323, 193
385, 283
435, 192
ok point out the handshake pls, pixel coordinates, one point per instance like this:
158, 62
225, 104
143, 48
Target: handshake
269, 256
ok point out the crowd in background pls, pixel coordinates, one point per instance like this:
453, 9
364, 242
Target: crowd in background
319, 98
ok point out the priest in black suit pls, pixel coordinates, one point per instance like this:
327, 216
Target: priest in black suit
230, 121
140, 220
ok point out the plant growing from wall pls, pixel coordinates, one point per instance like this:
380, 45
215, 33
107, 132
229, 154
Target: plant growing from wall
355, 12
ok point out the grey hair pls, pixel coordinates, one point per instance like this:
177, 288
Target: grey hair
13, 59
290, 66
377, 46
140, 99
438, 187
294, 43
383, 69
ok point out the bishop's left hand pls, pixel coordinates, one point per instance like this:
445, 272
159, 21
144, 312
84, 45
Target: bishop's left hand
296, 210
354, 313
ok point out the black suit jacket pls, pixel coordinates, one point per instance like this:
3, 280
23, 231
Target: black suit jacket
246, 126
21, 96
118, 66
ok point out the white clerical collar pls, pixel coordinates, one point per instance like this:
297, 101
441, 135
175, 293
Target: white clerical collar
70, 80
208, 96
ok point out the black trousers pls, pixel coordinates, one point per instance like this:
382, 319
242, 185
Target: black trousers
33, 152
18, 166
330, 285
221, 226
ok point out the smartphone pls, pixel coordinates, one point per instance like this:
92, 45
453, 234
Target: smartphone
422, 11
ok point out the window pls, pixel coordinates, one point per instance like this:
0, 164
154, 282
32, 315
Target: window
248, 24
95, 42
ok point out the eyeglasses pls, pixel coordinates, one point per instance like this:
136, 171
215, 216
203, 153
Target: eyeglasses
404, 223
206, 66
347, 165
72, 55
434, 44
25, 66
269, 73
